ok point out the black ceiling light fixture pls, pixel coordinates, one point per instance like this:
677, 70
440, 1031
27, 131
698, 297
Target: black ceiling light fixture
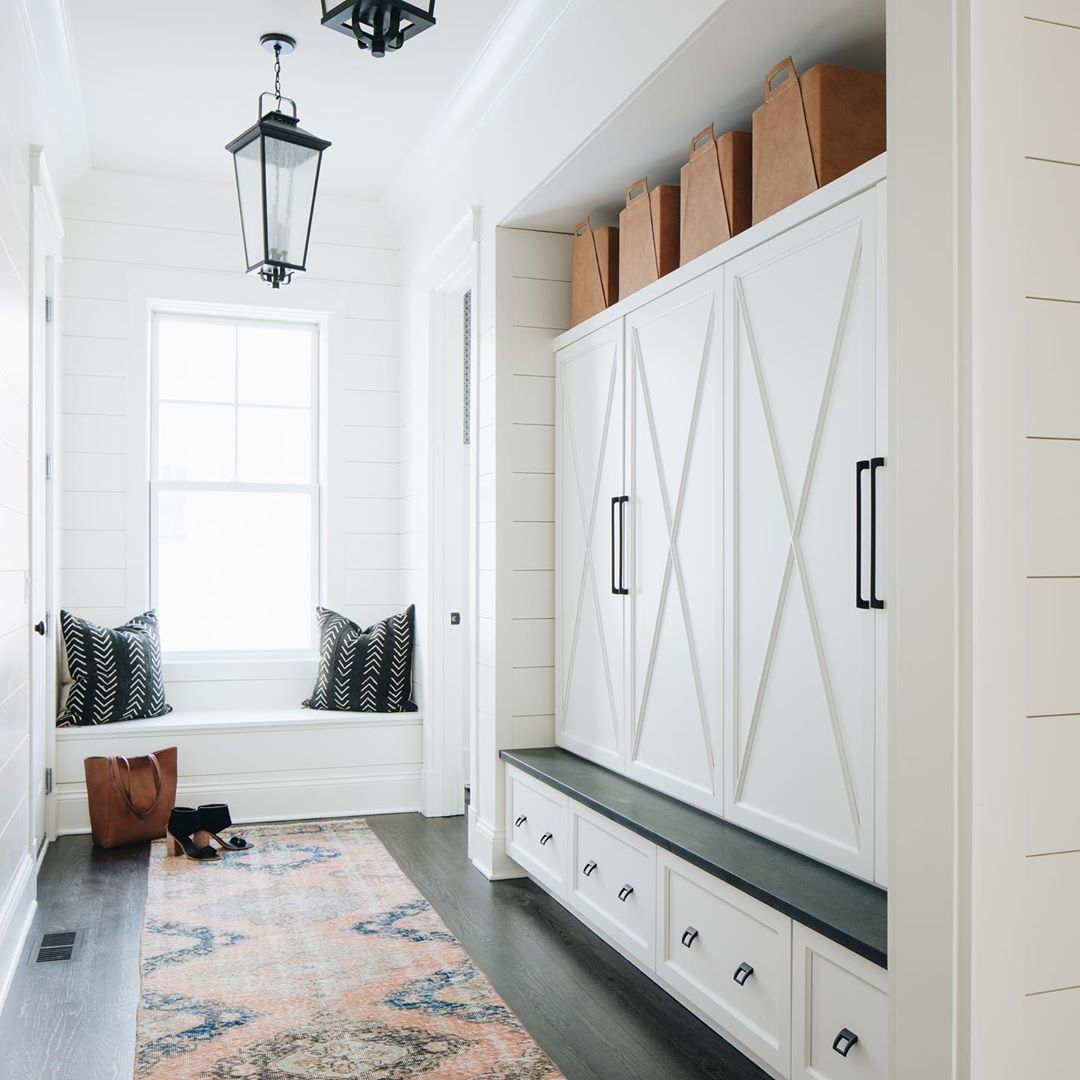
378, 25
277, 173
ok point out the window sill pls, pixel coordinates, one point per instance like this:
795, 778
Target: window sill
232, 669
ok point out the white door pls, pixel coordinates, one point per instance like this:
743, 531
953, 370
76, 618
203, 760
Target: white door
45, 251
801, 647
589, 547
674, 439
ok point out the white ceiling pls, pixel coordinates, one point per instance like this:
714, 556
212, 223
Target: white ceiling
165, 87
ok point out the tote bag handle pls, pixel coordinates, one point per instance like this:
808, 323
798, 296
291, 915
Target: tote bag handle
125, 792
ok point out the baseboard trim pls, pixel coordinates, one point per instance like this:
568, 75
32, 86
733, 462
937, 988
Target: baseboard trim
16, 914
487, 850
275, 796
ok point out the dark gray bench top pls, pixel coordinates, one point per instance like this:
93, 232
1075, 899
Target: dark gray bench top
845, 909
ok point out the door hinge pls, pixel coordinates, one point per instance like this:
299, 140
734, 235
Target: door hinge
48, 466
48, 781
49, 309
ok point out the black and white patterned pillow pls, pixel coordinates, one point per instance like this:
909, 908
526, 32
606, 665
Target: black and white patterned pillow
108, 675
364, 670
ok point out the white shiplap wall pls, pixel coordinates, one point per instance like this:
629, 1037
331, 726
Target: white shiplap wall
131, 240
1052, 287
516, 502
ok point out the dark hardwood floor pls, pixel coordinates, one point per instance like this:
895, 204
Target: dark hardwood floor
591, 1010
76, 1020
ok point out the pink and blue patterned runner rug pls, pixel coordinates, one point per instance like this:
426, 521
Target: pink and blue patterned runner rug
312, 955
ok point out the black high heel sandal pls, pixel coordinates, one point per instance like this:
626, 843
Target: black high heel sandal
214, 818
183, 823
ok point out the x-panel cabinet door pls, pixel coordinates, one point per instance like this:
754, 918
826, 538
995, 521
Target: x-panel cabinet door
674, 356
801, 375
589, 546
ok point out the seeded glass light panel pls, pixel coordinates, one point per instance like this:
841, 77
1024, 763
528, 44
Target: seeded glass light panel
277, 175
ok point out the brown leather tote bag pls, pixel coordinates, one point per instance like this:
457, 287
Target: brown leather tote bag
130, 799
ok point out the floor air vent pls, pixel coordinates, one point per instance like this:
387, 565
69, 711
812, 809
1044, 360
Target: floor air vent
56, 946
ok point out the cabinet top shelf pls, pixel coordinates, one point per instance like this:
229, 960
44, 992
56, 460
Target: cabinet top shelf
840, 190
851, 912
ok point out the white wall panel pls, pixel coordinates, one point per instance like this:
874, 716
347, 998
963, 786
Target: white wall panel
1053, 366
1053, 930
1052, 270
1052, 730
130, 240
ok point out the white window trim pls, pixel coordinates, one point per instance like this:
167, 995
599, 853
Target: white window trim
197, 664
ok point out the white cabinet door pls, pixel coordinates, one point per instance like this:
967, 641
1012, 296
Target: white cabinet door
801, 399
589, 603
675, 515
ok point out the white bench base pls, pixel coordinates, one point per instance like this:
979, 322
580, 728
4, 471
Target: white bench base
267, 764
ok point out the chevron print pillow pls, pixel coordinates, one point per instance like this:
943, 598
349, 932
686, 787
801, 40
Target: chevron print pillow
109, 675
364, 670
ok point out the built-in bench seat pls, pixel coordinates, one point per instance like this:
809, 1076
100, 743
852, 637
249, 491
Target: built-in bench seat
851, 912
274, 763
784, 956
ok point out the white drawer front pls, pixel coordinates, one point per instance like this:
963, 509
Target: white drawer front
837, 995
613, 881
706, 931
538, 834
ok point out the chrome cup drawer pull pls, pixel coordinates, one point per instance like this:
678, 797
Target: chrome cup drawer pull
546, 837
588, 868
624, 892
688, 936
520, 821
742, 973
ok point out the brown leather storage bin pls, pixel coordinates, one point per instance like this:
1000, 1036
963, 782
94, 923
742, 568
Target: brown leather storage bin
649, 243
594, 272
716, 191
812, 129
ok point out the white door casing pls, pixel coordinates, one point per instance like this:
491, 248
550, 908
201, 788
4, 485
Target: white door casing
46, 233
674, 439
589, 613
801, 408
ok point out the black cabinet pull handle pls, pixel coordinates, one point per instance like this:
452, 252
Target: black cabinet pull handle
843, 1042
545, 838
623, 500
860, 468
875, 464
614, 584
40, 628
625, 892
742, 973
617, 568
520, 821
588, 868
688, 936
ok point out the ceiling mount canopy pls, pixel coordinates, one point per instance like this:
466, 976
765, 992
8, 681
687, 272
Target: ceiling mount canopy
277, 174
379, 25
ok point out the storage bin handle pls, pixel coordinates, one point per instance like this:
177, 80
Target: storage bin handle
773, 88
582, 227
701, 140
637, 189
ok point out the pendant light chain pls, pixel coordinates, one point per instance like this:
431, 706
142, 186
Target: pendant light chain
277, 75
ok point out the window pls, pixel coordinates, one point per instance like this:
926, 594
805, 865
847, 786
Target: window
234, 523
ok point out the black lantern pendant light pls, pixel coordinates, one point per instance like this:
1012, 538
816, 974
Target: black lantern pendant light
378, 25
277, 173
